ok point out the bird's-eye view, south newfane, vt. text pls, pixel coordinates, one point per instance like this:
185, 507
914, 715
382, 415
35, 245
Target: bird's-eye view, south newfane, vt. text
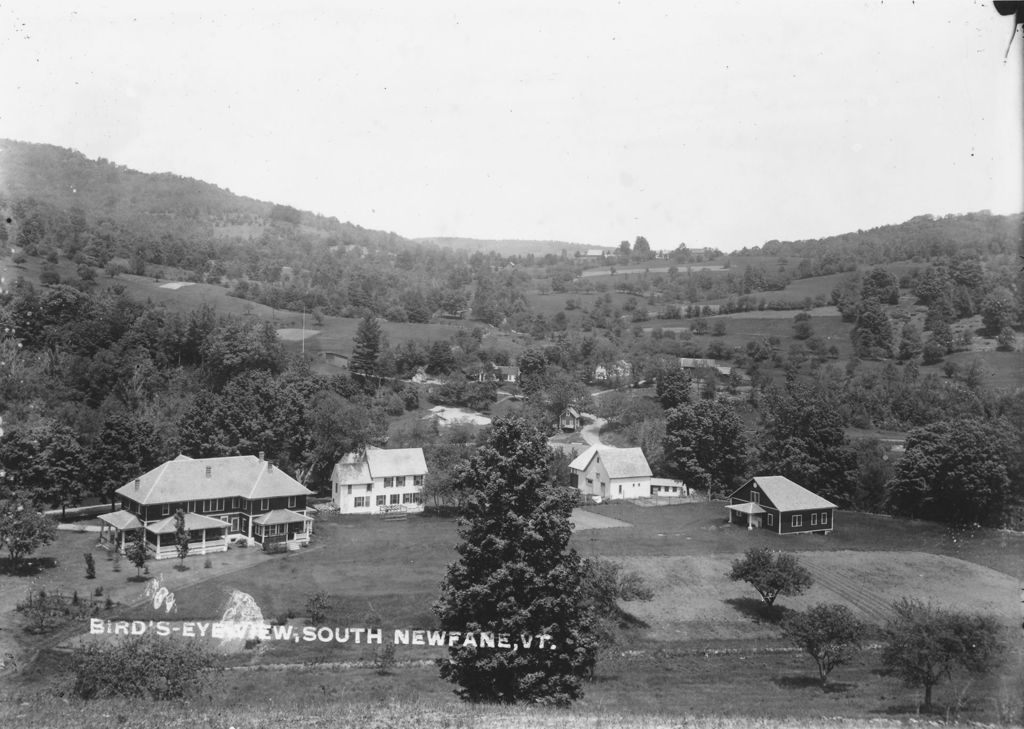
525, 379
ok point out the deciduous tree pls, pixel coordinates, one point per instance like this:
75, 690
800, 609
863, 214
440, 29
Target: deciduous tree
24, 529
704, 445
771, 573
830, 634
925, 644
955, 471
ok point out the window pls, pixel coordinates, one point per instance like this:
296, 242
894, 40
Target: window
770, 519
292, 500
213, 505
396, 498
417, 480
361, 502
410, 498
369, 487
798, 520
620, 489
264, 504
234, 502
382, 500
389, 482
165, 510
824, 517
350, 489
234, 524
755, 497
814, 520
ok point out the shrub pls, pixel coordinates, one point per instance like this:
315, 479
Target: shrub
90, 566
98, 592
384, 659
208, 563
316, 607
139, 668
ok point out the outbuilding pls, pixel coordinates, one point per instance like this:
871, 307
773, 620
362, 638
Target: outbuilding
780, 505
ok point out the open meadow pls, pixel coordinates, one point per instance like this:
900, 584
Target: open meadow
703, 642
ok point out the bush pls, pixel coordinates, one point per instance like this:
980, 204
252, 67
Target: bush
139, 668
208, 563
90, 566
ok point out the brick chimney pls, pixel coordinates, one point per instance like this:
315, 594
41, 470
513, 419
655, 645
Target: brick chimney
261, 455
209, 471
137, 482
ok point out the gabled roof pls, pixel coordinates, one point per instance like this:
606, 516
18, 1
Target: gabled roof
362, 468
571, 412
788, 495
280, 516
192, 521
618, 462
121, 520
188, 479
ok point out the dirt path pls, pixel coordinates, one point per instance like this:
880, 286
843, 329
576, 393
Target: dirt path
592, 431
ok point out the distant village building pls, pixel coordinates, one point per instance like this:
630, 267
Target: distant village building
569, 419
499, 373
608, 473
617, 371
375, 479
777, 504
696, 363
221, 497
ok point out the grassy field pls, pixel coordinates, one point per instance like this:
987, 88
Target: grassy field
704, 645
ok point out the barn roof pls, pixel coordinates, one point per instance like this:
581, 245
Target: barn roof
788, 495
618, 462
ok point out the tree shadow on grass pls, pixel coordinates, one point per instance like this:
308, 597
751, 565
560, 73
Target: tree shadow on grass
801, 682
138, 578
627, 620
26, 567
758, 610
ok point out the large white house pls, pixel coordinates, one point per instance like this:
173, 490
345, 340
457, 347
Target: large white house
375, 479
611, 473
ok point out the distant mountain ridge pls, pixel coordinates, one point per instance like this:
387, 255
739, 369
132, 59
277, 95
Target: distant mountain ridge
511, 247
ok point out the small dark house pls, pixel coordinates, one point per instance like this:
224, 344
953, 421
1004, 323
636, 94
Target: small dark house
780, 505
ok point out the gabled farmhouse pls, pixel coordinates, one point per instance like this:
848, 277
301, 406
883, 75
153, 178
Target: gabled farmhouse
612, 473
569, 419
780, 505
221, 497
377, 479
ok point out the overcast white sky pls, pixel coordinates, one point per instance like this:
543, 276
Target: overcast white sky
709, 123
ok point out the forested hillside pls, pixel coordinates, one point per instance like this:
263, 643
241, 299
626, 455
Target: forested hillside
883, 331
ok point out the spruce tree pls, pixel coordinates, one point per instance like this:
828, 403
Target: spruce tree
366, 346
516, 575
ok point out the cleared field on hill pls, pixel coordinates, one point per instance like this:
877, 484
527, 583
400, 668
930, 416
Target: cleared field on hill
695, 599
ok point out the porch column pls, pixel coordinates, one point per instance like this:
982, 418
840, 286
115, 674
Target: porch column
121, 531
204, 542
158, 545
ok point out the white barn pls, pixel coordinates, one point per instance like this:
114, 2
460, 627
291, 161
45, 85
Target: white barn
611, 473
370, 481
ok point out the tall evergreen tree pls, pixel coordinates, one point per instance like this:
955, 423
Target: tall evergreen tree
516, 575
366, 346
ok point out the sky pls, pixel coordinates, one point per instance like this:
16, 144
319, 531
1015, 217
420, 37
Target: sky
591, 121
